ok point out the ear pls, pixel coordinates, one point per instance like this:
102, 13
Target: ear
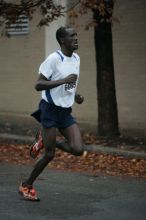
62, 40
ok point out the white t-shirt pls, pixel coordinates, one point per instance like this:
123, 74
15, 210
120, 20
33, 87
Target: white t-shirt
58, 66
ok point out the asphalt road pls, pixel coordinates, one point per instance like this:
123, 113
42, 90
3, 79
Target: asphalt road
72, 196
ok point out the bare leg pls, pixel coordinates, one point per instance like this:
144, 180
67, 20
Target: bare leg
49, 140
74, 143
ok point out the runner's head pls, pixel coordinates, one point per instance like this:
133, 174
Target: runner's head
67, 38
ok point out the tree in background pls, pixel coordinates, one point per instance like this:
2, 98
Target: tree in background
107, 103
102, 23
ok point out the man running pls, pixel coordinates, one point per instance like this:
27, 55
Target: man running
58, 79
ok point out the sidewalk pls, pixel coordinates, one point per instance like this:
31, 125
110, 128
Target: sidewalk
71, 196
128, 152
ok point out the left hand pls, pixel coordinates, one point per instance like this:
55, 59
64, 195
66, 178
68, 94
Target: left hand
79, 99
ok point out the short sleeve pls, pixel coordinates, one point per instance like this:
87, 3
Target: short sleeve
46, 68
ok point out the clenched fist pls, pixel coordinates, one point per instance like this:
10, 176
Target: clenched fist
79, 99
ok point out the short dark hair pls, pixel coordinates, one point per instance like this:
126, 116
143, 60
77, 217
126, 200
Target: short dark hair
61, 33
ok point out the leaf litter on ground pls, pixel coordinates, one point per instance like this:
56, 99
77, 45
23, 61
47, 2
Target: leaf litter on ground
94, 163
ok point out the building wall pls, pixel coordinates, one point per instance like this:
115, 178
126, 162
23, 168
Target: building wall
21, 56
19, 60
130, 62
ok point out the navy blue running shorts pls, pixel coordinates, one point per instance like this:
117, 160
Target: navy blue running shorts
50, 115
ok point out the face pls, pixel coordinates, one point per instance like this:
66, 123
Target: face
70, 41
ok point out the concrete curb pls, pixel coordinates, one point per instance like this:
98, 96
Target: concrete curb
90, 148
115, 151
16, 138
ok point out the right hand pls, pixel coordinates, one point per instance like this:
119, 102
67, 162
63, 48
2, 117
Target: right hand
71, 78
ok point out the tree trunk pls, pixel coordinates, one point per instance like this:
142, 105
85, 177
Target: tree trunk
107, 103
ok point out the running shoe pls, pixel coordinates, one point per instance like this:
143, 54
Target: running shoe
28, 193
37, 146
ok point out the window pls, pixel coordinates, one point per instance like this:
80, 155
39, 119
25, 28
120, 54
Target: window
20, 27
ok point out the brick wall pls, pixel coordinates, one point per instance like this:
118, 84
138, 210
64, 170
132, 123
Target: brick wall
130, 62
21, 56
19, 60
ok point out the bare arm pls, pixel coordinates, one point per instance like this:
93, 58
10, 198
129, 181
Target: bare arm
43, 83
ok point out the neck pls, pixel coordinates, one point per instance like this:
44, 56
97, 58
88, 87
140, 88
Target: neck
66, 52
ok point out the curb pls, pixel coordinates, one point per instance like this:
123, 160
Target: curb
115, 151
14, 138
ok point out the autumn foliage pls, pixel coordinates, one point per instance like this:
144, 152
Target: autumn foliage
51, 10
93, 163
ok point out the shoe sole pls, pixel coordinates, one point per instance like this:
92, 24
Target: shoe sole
28, 199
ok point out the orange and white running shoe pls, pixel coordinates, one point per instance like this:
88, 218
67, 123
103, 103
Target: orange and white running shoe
28, 193
37, 146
